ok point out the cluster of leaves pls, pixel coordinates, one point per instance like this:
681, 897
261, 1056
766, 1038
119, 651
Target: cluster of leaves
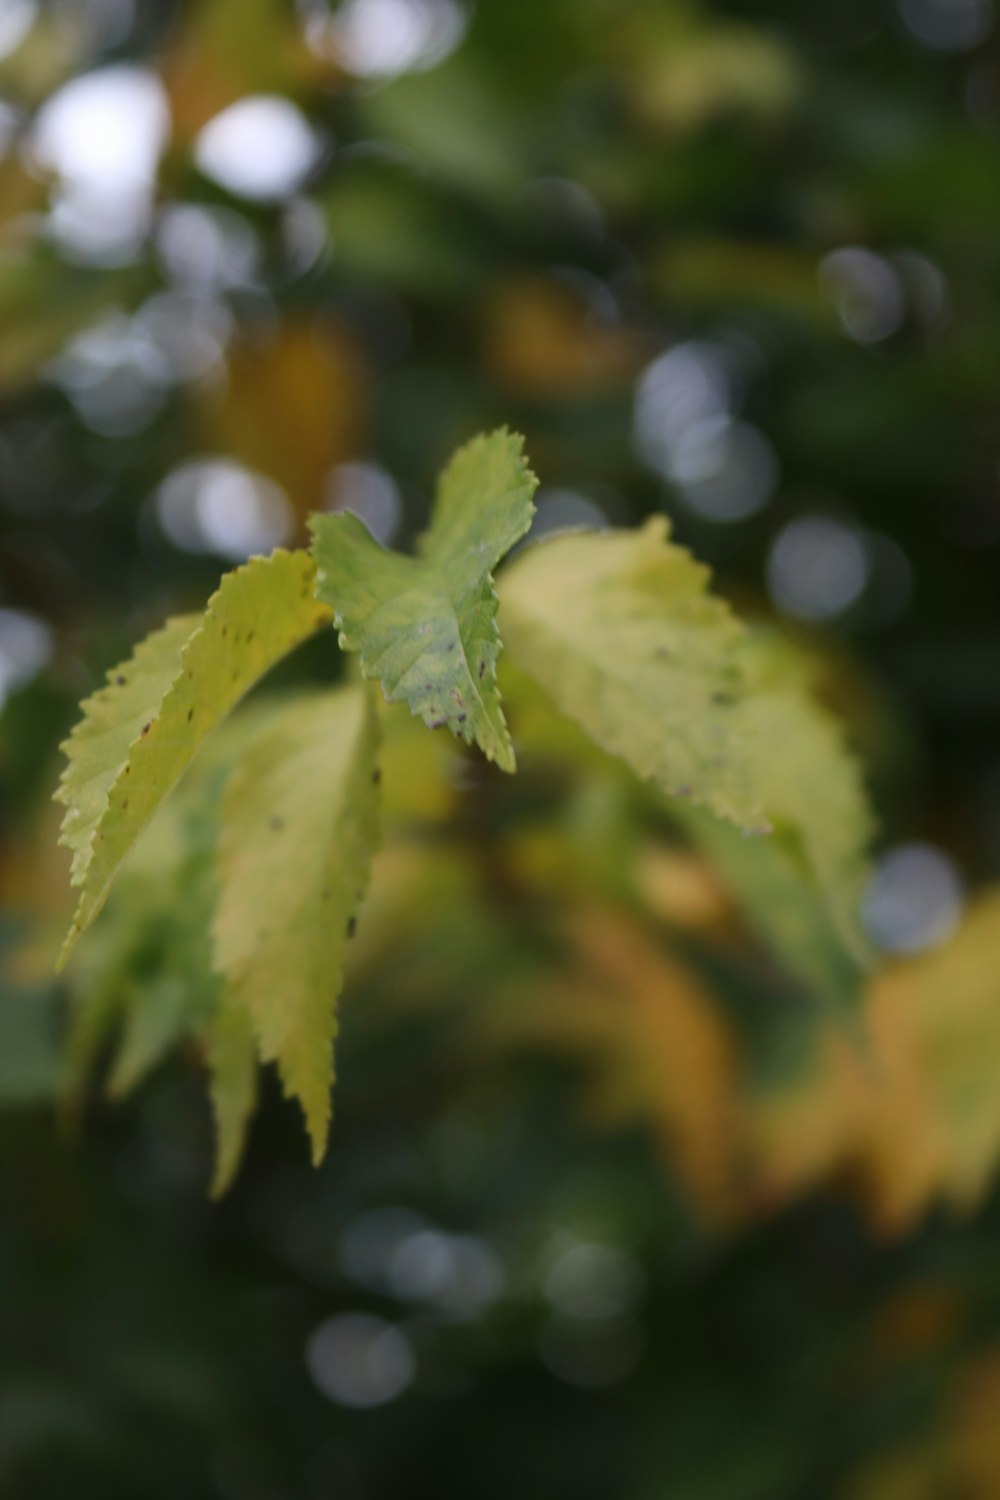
516, 231
619, 632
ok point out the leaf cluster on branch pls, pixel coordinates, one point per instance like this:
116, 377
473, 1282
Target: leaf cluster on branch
276, 826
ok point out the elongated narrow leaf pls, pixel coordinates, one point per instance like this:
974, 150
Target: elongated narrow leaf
113, 718
425, 626
145, 971
232, 1061
621, 631
298, 829
139, 732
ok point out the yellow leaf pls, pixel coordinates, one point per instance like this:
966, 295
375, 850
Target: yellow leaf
294, 405
298, 828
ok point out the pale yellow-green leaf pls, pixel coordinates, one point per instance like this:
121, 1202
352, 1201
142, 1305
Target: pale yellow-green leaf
425, 626
297, 833
621, 631
801, 888
112, 719
138, 734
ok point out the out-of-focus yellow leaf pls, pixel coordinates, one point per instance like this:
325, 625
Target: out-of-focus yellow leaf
944, 1009
542, 339
294, 405
906, 1114
686, 73
658, 1047
681, 889
913, 1116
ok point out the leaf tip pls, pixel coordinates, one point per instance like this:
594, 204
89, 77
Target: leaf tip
318, 1130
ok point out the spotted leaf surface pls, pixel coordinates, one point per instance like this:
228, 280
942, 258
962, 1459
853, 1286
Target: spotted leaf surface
621, 631
140, 731
425, 627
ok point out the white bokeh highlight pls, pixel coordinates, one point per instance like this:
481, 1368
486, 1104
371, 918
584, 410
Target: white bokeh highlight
217, 506
361, 1361
914, 900
368, 492
25, 648
723, 468
384, 38
261, 148
17, 17
101, 136
867, 293
818, 567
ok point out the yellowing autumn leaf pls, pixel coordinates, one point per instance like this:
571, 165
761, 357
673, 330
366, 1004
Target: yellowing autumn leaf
298, 827
621, 631
139, 733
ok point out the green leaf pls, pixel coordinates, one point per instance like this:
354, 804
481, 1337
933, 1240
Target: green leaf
425, 626
621, 631
138, 733
298, 829
232, 1062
